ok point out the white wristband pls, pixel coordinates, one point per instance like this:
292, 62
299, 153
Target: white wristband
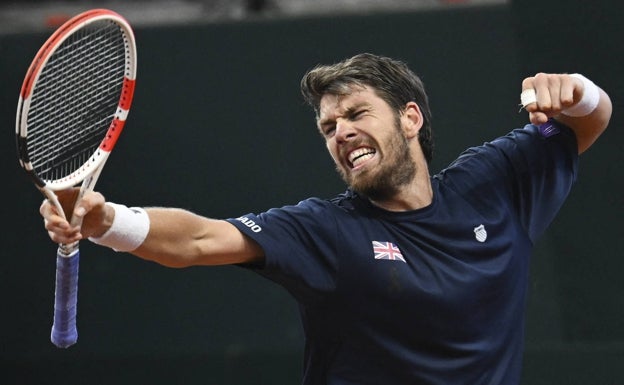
128, 231
589, 101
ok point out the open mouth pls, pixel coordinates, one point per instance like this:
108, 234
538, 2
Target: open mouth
360, 156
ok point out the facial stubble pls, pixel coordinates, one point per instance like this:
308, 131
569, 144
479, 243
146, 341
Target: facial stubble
395, 170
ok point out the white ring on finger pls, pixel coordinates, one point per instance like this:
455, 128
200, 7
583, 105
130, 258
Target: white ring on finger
527, 97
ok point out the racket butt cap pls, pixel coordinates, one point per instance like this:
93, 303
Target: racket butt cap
63, 339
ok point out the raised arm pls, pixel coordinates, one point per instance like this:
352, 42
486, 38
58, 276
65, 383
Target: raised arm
571, 99
173, 237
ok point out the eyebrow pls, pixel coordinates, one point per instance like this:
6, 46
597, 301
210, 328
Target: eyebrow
348, 111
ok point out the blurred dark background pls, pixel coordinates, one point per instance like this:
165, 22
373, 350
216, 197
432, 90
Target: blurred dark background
218, 127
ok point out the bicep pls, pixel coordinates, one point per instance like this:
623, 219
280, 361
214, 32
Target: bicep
227, 245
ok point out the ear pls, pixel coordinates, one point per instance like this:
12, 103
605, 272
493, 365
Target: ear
411, 120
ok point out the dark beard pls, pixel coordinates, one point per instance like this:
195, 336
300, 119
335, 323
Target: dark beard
394, 174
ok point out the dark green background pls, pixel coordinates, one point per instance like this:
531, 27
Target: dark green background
218, 127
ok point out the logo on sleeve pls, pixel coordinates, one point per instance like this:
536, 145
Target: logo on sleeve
250, 223
387, 250
548, 129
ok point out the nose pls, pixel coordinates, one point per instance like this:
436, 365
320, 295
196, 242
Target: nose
345, 130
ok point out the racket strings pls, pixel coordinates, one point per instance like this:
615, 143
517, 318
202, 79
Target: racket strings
75, 100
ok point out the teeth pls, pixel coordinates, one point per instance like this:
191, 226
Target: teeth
360, 155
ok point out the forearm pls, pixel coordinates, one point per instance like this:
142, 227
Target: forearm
180, 238
175, 238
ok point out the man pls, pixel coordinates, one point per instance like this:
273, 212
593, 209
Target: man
405, 278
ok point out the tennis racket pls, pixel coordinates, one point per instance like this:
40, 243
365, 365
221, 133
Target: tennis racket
72, 107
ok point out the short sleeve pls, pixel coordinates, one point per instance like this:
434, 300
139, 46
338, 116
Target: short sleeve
530, 170
299, 246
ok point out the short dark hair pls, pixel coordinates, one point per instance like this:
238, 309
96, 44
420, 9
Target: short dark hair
391, 79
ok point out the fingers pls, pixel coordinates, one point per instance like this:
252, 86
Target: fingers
60, 230
552, 94
89, 203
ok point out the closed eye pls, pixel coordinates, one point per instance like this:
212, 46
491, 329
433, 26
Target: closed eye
328, 129
355, 115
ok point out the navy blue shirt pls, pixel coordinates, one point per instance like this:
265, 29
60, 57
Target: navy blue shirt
430, 296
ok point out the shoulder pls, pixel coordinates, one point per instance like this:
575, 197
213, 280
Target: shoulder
343, 202
523, 157
518, 149
310, 213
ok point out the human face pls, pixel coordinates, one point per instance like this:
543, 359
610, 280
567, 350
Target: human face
364, 137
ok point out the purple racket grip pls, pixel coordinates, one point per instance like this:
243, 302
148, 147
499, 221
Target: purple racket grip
64, 332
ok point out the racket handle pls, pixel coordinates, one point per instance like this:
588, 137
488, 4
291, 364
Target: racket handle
64, 333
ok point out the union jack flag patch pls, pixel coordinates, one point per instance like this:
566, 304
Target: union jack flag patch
387, 250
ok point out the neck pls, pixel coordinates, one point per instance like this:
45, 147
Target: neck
415, 195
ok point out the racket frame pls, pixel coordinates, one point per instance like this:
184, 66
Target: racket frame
88, 173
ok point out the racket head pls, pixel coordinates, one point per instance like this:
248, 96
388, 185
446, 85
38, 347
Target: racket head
75, 99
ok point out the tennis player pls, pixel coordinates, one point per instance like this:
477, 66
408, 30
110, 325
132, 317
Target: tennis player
405, 278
